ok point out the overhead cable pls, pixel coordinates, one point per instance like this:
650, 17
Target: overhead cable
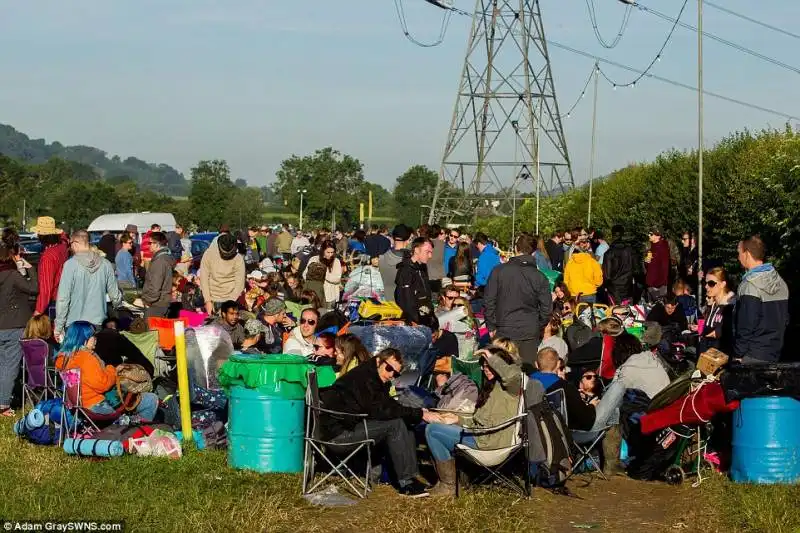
620, 32
751, 19
719, 96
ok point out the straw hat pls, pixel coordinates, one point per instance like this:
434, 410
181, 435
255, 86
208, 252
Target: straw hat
46, 226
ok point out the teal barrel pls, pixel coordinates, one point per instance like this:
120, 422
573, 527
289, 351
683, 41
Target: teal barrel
266, 410
265, 432
766, 441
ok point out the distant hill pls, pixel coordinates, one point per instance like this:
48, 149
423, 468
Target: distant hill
160, 178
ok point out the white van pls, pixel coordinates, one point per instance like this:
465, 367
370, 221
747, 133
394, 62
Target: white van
117, 222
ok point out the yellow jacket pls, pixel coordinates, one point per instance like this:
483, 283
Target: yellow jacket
582, 274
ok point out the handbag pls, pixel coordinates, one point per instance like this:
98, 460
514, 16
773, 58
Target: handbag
132, 381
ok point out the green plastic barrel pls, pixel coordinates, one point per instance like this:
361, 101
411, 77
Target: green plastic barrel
265, 432
266, 417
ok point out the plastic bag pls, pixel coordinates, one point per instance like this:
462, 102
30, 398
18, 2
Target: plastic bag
206, 349
412, 341
159, 443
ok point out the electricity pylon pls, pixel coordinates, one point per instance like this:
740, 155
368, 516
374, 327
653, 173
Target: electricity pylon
506, 125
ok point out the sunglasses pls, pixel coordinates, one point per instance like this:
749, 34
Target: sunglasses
392, 370
320, 347
590, 376
454, 236
711, 283
309, 321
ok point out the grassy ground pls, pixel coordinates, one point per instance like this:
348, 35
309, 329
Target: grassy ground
200, 493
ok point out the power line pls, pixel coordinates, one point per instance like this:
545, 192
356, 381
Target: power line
719, 39
655, 59
448, 12
719, 96
583, 92
620, 32
750, 19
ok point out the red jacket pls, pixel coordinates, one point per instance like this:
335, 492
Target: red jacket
146, 253
658, 268
50, 265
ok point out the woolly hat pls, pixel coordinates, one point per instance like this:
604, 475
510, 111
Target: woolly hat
227, 246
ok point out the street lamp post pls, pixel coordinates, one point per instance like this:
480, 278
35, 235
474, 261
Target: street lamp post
301, 192
700, 147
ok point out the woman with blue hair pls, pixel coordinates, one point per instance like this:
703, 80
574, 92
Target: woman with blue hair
98, 380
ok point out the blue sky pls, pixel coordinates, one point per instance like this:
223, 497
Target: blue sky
253, 81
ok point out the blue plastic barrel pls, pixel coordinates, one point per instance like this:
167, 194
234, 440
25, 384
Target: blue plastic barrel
766, 441
265, 432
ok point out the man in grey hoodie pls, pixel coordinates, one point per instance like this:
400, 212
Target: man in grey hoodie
86, 280
389, 261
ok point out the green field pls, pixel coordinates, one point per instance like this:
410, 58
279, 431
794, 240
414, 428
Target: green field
201, 493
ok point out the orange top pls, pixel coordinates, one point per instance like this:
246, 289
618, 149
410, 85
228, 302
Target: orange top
95, 380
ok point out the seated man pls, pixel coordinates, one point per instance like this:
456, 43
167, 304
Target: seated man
301, 339
365, 389
580, 415
228, 320
275, 323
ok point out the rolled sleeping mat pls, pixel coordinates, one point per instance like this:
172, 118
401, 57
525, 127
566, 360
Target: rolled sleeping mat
93, 447
34, 419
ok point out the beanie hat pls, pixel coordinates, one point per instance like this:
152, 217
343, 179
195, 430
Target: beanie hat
227, 246
253, 327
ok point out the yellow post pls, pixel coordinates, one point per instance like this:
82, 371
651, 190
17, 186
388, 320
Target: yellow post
183, 382
361, 214
369, 210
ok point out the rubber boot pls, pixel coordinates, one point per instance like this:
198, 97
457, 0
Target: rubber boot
611, 444
446, 470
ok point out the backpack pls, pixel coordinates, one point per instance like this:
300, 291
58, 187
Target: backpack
549, 450
577, 334
132, 380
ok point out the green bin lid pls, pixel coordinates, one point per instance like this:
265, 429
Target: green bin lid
275, 374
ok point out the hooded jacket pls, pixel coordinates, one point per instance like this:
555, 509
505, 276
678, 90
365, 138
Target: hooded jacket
388, 267
220, 279
297, 345
643, 371
15, 292
619, 265
658, 268
502, 404
583, 274
85, 281
157, 290
487, 261
761, 315
518, 301
413, 293
97, 378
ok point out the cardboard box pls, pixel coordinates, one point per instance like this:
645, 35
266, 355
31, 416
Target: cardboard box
710, 361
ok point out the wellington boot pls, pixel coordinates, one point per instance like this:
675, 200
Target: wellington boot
446, 486
611, 445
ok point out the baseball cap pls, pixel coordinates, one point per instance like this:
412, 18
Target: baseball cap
256, 275
274, 306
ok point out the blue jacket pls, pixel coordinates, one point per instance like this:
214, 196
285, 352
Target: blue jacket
760, 316
449, 253
124, 265
85, 281
487, 261
542, 262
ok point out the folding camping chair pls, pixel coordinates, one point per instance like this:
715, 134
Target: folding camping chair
493, 461
315, 446
71, 394
584, 442
37, 381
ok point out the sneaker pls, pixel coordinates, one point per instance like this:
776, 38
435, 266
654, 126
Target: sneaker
415, 489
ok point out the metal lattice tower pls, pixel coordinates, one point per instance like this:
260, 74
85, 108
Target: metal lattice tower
506, 99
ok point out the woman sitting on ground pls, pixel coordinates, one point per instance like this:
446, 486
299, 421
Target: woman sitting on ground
350, 353
97, 378
497, 402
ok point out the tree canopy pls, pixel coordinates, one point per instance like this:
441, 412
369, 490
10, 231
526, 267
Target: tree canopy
414, 189
332, 180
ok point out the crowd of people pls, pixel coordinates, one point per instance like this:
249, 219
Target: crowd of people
275, 290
